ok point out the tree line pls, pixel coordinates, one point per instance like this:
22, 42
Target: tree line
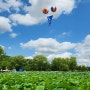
39, 63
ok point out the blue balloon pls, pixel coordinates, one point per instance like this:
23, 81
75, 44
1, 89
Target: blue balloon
49, 19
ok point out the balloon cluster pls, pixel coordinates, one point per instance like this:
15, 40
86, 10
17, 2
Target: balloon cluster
45, 11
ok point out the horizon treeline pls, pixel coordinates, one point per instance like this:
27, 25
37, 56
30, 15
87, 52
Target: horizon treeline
39, 63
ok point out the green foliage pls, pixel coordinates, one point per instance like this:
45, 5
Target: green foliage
82, 68
1, 51
45, 80
73, 63
18, 61
40, 62
40, 87
2, 54
60, 64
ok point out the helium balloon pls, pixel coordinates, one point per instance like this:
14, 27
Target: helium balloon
45, 11
53, 9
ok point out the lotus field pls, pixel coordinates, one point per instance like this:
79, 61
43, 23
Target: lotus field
35, 80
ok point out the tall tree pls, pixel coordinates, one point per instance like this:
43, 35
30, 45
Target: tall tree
72, 63
29, 65
18, 62
40, 62
2, 53
59, 64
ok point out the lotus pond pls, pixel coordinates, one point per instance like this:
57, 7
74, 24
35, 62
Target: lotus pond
51, 80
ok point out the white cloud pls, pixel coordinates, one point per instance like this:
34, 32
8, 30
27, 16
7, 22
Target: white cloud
48, 45
65, 6
23, 19
13, 35
6, 5
9, 48
34, 13
5, 25
62, 55
64, 34
83, 51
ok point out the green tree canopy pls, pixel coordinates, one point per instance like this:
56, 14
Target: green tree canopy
18, 62
40, 62
59, 64
72, 63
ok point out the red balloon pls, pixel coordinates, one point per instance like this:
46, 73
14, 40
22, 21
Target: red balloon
53, 9
45, 11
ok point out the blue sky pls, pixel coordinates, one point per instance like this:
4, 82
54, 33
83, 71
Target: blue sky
24, 29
